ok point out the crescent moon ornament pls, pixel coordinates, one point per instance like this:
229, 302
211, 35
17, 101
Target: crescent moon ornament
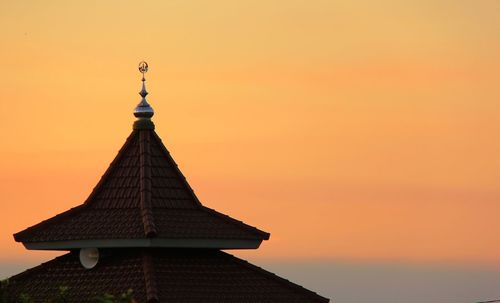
143, 67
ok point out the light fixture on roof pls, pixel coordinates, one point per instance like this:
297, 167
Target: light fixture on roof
89, 257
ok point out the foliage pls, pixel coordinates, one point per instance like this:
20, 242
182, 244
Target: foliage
126, 297
24, 298
3, 287
62, 296
107, 298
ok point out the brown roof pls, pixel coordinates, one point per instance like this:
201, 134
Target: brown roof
143, 194
159, 275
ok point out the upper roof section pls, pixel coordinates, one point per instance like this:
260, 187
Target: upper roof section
142, 200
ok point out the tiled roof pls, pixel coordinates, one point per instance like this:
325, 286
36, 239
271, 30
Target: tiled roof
143, 194
159, 275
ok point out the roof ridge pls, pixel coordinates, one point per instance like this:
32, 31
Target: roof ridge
176, 168
145, 183
284, 281
111, 167
56, 218
39, 267
89, 199
233, 221
149, 279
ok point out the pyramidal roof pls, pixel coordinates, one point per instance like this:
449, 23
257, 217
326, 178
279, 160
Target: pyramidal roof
142, 200
143, 228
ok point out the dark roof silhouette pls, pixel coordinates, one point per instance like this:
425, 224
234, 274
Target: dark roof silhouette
143, 228
160, 275
142, 195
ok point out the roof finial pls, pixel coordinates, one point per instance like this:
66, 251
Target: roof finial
143, 110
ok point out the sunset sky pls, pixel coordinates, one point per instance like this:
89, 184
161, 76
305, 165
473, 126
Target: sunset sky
352, 131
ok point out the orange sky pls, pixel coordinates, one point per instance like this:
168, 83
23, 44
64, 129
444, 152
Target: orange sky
348, 129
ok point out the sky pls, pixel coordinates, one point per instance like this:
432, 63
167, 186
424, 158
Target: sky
363, 135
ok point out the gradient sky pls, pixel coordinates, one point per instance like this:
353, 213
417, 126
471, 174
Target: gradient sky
356, 131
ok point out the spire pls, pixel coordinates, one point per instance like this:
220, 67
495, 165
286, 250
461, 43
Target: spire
143, 111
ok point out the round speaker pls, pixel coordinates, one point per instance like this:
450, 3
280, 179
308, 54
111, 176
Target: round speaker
89, 257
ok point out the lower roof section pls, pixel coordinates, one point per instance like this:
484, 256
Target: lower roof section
158, 275
145, 242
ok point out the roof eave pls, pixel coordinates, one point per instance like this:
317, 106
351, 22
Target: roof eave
145, 242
